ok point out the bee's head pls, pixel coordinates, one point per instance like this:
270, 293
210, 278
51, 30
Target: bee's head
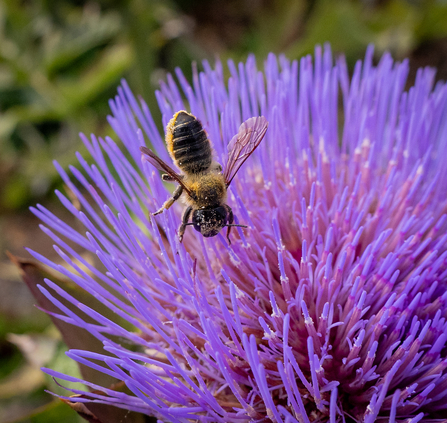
209, 222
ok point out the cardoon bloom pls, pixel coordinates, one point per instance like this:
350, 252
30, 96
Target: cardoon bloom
331, 306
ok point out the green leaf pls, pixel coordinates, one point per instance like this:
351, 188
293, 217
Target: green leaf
340, 23
110, 68
53, 412
433, 22
65, 50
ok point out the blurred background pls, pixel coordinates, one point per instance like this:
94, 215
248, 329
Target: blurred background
60, 62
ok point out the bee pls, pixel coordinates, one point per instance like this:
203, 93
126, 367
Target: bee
202, 183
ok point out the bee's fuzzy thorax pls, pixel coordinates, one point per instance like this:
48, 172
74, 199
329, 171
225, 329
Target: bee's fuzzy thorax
208, 188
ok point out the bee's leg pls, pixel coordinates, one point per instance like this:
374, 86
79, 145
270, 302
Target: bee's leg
168, 178
182, 227
175, 196
230, 221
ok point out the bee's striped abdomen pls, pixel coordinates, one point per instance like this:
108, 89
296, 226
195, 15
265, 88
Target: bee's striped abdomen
188, 144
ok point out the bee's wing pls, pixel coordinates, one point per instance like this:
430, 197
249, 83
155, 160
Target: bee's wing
161, 165
249, 135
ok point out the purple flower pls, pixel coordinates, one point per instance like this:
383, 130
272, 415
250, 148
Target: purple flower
331, 306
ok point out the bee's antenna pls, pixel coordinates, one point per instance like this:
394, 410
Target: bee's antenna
240, 226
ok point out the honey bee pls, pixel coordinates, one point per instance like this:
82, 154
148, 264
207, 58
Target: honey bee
202, 184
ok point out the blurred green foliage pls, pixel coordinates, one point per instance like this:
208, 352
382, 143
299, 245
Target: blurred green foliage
61, 60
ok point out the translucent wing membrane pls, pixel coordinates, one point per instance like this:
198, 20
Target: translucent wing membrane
161, 165
242, 145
